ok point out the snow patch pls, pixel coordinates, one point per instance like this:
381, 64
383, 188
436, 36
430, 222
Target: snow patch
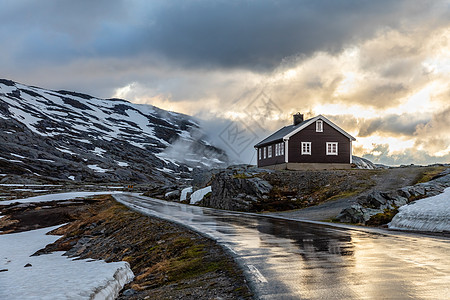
71, 177
199, 194
122, 164
139, 145
54, 276
99, 151
25, 118
30, 190
162, 156
45, 160
429, 214
184, 193
57, 197
165, 170
34, 185
83, 141
98, 169
66, 151
6, 89
17, 155
11, 160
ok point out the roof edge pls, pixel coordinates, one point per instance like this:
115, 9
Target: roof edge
312, 120
281, 139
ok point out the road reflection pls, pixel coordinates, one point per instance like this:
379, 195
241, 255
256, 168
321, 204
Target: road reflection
296, 260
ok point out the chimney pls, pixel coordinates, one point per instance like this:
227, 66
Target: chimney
298, 118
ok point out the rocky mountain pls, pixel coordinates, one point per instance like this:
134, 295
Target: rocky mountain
72, 136
362, 163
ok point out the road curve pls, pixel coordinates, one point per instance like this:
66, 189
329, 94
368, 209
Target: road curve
285, 259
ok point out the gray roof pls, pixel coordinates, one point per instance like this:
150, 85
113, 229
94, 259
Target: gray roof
278, 135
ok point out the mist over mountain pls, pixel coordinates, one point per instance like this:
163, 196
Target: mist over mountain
73, 136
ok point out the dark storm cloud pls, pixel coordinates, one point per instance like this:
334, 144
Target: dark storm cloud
251, 34
43, 33
247, 34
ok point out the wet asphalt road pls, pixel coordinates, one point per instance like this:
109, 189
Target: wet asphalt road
286, 259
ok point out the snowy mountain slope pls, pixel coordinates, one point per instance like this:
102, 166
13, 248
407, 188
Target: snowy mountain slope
74, 136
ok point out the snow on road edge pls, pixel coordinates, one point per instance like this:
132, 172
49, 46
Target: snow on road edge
428, 214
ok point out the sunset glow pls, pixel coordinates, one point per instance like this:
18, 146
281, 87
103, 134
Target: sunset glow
384, 76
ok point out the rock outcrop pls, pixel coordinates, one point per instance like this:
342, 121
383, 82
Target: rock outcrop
379, 202
237, 188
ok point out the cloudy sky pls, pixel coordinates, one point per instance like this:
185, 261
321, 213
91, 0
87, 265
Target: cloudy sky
379, 69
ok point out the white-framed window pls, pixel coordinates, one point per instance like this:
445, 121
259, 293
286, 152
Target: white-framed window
332, 148
306, 148
277, 149
269, 150
265, 152
281, 148
319, 126
259, 153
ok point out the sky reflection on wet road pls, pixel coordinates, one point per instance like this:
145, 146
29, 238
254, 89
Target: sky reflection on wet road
295, 260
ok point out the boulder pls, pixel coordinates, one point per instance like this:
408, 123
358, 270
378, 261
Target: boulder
357, 214
374, 200
236, 188
380, 202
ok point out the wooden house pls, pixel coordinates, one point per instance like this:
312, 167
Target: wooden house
316, 143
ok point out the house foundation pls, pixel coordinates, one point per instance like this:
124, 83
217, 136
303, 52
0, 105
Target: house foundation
308, 166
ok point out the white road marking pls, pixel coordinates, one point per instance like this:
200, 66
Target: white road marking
258, 274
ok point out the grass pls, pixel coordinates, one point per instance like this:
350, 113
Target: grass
158, 252
286, 195
428, 174
382, 218
344, 194
242, 176
190, 262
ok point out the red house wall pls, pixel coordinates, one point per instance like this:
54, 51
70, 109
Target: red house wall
318, 145
274, 160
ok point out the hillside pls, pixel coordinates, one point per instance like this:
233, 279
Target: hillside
76, 137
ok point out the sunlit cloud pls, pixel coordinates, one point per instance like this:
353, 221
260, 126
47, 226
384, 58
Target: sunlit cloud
379, 69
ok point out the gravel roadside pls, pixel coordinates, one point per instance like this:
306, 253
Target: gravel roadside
383, 180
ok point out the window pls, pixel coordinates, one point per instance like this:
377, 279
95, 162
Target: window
281, 148
269, 149
319, 126
332, 148
265, 152
306, 148
259, 153
277, 149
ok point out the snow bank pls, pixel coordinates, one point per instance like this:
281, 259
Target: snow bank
199, 194
113, 286
184, 193
53, 276
57, 197
429, 214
